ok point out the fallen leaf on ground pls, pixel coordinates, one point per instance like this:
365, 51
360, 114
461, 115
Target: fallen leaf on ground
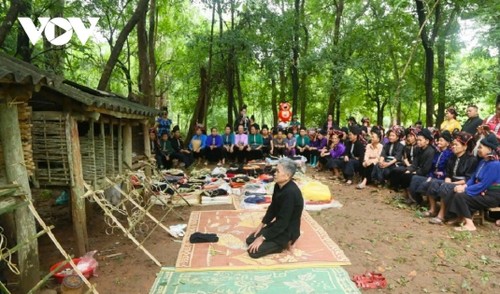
412, 274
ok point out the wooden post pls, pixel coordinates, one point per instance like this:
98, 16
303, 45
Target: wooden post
147, 145
92, 138
120, 147
104, 159
127, 145
77, 186
10, 135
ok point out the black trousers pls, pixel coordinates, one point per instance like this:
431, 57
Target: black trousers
266, 248
418, 186
461, 204
381, 174
240, 155
186, 158
254, 154
213, 155
350, 168
366, 172
279, 151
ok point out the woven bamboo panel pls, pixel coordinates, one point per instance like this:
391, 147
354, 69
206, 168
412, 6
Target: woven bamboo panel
99, 155
50, 150
111, 156
88, 163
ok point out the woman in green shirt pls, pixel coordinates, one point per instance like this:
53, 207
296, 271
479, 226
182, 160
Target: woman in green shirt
303, 142
255, 144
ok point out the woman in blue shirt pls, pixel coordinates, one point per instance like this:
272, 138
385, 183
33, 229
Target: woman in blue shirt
213, 149
197, 144
482, 190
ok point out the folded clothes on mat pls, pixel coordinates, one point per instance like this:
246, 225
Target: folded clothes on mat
203, 238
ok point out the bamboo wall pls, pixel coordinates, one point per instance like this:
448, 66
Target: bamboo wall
50, 149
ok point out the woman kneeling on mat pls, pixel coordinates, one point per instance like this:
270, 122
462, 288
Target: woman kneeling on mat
280, 227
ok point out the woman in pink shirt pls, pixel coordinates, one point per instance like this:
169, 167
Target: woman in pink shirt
372, 155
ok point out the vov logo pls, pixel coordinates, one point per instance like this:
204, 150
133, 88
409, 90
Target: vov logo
48, 26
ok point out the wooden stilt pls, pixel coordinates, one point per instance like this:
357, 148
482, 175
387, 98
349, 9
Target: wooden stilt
127, 145
147, 145
77, 189
10, 136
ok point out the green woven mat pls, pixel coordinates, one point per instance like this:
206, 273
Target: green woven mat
305, 280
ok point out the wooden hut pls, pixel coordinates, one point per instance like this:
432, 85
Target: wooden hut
18, 81
70, 133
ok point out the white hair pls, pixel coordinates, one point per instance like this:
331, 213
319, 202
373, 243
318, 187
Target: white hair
289, 166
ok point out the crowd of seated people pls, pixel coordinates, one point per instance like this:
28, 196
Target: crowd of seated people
455, 165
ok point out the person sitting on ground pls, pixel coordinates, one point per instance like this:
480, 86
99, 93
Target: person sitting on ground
255, 144
278, 144
163, 123
241, 145
353, 155
421, 166
319, 143
166, 151
459, 170
473, 122
390, 157
154, 145
227, 144
280, 227
267, 139
332, 158
291, 143
197, 144
371, 158
493, 121
213, 149
482, 190
410, 152
450, 123
303, 142
419, 184
180, 152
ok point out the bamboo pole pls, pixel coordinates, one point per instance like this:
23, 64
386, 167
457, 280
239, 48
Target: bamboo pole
142, 208
58, 245
15, 248
118, 224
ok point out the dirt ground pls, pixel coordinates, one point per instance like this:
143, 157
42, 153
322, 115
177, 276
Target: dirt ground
376, 232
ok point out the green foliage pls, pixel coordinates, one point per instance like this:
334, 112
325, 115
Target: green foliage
378, 42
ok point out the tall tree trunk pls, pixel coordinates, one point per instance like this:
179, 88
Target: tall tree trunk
427, 44
142, 6
304, 73
395, 74
142, 48
23, 43
230, 73
283, 83
239, 92
9, 20
295, 58
199, 113
336, 71
274, 101
441, 70
153, 17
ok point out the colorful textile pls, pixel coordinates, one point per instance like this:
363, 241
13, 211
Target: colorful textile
310, 280
314, 248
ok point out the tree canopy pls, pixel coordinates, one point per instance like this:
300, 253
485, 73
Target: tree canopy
395, 61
